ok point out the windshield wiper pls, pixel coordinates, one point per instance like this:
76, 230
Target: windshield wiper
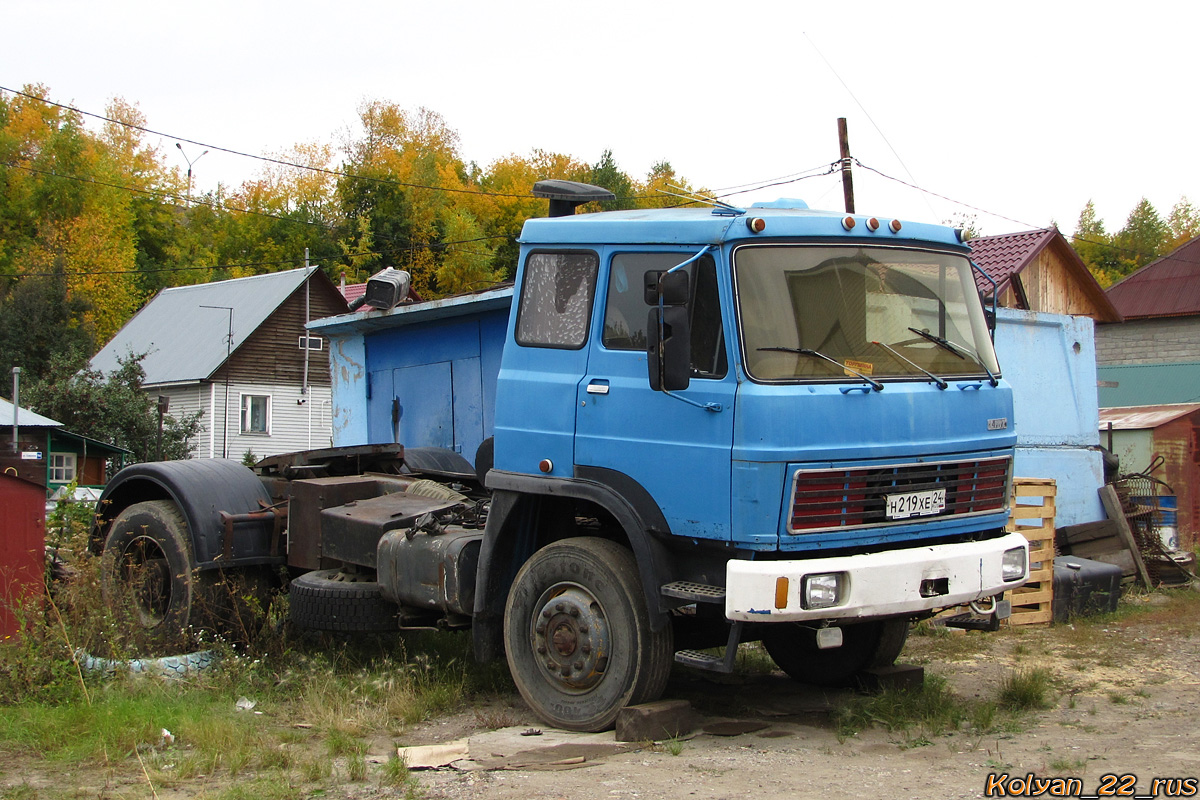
958, 350
804, 351
941, 384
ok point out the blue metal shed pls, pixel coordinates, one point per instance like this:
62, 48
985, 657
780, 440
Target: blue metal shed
421, 374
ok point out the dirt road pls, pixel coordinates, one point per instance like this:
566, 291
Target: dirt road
1125, 702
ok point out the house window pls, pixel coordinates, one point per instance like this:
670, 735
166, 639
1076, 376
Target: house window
62, 467
256, 413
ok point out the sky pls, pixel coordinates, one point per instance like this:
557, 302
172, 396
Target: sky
1015, 113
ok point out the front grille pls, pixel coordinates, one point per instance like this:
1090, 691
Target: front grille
835, 499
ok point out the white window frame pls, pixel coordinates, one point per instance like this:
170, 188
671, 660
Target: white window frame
68, 468
244, 414
313, 342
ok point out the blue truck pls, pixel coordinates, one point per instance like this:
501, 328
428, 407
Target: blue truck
691, 428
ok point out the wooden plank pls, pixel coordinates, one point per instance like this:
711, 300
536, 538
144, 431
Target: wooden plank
1112, 507
1032, 598
1088, 531
1097, 546
1122, 559
1031, 617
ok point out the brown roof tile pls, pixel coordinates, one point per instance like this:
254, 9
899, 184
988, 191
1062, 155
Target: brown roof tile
1168, 287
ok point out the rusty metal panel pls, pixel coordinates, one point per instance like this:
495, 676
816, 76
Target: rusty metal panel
350, 532
433, 572
308, 498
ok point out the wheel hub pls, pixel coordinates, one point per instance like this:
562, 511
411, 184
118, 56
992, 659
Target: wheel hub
146, 572
570, 637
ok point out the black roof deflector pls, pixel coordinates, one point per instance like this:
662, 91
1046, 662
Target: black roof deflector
564, 196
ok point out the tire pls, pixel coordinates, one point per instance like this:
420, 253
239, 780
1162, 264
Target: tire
793, 648
332, 600
148, 574
577, 606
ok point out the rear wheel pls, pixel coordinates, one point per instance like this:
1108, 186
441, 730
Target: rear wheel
794, 649
148, 575
577, 635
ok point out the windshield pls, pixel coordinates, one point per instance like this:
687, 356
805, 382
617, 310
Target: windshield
828, 312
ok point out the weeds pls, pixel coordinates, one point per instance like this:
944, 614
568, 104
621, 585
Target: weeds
1025, 690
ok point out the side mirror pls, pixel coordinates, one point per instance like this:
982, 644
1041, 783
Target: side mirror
673, 285
669, 348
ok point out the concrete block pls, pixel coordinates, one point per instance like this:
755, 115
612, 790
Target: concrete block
897, 676
662, 719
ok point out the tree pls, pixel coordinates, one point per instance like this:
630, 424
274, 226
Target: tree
1143, 238
39, 323
1094, 246
114, 409
1183, 224
605, 173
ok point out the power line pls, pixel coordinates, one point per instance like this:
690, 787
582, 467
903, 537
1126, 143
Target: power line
281, 162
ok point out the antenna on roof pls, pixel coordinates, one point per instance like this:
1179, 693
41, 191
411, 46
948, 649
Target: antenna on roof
696, 197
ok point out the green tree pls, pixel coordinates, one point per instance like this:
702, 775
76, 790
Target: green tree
607, 174
1142, 240
1183, 223
114, 409
39, 323
1095, 246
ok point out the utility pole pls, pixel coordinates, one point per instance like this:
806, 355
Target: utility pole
16, 428
847, 177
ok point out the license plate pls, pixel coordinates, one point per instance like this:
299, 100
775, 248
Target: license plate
916, 504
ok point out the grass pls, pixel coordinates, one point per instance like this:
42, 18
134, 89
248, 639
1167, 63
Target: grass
1027, 690
342, 690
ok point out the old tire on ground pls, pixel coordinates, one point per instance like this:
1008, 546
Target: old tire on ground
794, 649
332, 600
577, 635
148, 574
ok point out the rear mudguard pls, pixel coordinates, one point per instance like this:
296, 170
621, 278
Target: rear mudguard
202, 489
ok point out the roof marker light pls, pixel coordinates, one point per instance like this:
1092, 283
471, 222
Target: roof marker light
848, 223
872, 224
895, 226
756, 224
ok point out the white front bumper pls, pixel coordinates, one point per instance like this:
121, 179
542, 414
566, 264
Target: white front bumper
877, 584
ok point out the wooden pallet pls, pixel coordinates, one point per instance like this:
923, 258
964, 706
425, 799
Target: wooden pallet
1033, 515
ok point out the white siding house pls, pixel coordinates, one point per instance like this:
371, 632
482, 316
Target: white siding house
238, 353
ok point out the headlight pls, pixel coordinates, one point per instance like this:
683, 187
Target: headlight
1012, 567
823, 591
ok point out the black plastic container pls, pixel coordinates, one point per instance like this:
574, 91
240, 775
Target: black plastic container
1083, 586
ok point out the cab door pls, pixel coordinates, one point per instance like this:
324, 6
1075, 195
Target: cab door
675, 446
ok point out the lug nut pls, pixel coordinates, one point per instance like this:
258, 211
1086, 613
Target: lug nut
574, 611
541, 649
586, 649
583, 628
546, 613
558, 607
541, 629
578, 665
565, 671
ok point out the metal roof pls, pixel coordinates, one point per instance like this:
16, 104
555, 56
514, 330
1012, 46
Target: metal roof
184, 340
1133, 418
1148, 384
370, 319
1008, 254
1168, 287
26, 418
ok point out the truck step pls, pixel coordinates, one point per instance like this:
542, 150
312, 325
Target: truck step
694, 592
702, 660
972, 622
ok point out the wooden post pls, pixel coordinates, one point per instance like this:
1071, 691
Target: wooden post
1112, 507
847, 177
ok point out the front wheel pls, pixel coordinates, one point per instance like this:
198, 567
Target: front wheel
577, 635
793, 647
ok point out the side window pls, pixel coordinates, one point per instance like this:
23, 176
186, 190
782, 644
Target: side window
556, 299
626, 312
256, 413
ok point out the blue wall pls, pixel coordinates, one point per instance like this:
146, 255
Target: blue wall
1050, 361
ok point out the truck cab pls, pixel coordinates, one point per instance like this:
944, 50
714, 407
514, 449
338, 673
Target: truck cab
794, 420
